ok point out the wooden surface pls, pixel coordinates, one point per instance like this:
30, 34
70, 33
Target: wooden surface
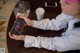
5, 13
18, 46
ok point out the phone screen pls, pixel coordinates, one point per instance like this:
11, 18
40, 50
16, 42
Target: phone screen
18, 26
50, 4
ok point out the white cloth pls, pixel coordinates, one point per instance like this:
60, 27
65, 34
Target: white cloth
70, 40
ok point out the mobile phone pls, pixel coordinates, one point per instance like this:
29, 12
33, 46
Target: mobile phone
18, 26
51, 4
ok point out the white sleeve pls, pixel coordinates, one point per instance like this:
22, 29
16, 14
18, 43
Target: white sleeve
53, 24
68, 42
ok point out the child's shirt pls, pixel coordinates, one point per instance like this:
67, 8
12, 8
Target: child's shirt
70, 39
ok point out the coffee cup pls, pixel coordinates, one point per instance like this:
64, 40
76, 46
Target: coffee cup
40, 13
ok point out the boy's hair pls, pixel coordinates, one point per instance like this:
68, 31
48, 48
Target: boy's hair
72, 0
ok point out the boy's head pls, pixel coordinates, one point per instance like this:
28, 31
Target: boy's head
71, 7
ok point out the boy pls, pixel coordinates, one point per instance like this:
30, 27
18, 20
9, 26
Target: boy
69, 39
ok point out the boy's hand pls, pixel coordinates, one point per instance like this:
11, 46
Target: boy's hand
26, 19
17, 37
20, 15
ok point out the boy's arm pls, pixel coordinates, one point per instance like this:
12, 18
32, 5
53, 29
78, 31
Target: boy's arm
68, 42
54, 24
46, 24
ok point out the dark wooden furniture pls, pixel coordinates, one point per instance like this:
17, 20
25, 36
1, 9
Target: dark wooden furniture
50, 11
15, 46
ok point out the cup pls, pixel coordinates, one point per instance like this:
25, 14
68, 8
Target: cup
40, 13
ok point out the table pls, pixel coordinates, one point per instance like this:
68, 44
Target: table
15, 46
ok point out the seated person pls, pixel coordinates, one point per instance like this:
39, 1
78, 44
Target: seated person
70, 38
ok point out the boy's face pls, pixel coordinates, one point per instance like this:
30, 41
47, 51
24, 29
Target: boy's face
71, 8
